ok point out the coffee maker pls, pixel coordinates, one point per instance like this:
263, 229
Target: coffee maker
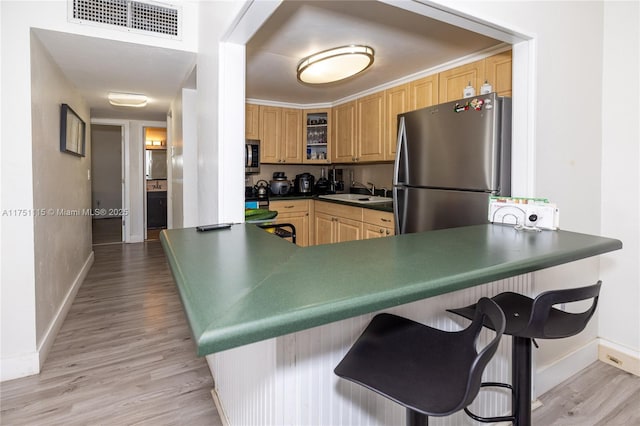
336, 180
303, 183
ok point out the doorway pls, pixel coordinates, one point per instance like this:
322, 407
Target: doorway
155, 166
106, 184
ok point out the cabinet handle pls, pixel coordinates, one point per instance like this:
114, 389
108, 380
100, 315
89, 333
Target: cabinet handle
388, 232
381, 230
289, 207
385, 220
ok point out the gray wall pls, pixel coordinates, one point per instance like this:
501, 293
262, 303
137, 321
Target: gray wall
106, 168
61, 187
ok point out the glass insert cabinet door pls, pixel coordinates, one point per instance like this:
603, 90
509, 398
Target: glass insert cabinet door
317, 136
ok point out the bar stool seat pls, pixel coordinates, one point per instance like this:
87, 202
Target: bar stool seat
529, 319
429, 371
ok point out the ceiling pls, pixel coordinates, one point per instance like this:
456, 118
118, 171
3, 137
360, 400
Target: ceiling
405, 43
98, 66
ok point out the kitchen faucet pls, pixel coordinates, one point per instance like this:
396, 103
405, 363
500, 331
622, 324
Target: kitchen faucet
372, 189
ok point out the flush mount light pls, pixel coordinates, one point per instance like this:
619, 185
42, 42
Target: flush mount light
335, 64
127, 99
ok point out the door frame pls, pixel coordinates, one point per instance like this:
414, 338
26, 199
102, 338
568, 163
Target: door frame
254, 14
124, 166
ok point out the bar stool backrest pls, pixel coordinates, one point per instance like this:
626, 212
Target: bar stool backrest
487, 310
540, 325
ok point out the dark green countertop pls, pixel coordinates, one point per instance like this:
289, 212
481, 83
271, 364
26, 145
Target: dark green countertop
384, 207
243, 285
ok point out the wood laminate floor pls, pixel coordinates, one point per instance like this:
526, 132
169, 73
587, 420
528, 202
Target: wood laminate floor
107, 230
124, 356
599, 395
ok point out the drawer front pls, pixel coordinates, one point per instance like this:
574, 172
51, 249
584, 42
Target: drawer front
339, 210
289, 206
376, 217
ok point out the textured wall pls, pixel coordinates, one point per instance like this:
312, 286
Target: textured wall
60, 186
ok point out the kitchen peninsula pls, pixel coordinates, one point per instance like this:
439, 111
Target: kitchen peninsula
244, 287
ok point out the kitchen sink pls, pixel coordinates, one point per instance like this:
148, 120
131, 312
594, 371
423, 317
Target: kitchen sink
357, 198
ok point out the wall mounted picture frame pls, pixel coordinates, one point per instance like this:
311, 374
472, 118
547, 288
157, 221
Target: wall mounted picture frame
72, 132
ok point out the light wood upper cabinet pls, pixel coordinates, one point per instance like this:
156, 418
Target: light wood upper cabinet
343, 137
423, 92
270, 132
281, 135
396, 102
452, 82
371, 128
498, 72
291, 143
252, 121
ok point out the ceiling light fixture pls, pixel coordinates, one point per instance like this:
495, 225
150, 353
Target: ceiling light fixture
335, 64
127, 99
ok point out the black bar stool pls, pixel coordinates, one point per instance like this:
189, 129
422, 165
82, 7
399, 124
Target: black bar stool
280, 231
429, 371
529, 319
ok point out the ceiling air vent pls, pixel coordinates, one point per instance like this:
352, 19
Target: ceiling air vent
126, 14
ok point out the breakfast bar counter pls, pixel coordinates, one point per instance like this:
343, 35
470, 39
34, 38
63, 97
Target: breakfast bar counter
273, 319
243, 285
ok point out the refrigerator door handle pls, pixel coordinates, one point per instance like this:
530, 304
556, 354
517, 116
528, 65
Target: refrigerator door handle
400, 209
401, 146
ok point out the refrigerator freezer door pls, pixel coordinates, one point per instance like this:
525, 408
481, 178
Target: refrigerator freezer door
422, 209
449, 149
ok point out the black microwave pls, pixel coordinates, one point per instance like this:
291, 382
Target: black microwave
252, 156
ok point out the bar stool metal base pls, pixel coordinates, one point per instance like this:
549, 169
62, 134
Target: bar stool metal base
416, 419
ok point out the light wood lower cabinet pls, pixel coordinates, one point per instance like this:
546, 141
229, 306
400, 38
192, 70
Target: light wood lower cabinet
297, 213
336, 223
377, 224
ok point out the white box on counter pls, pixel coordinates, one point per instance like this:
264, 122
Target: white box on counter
527, 213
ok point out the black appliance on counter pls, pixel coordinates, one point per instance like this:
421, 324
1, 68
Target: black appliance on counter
303, 184
279, 185
252, 200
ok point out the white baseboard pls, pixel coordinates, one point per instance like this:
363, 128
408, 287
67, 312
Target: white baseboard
17, 366
223, 416
29, 364
619, 356
54, 327
548, 376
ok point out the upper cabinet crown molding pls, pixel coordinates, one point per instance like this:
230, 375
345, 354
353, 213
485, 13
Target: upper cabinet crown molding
504, 47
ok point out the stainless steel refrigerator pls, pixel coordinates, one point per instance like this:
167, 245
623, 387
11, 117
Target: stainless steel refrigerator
450, 158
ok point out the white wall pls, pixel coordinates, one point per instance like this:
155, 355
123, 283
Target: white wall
620, 271
19, 346
184, 159
61, 245
176, 163
18, 317
581, 159
220, 142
